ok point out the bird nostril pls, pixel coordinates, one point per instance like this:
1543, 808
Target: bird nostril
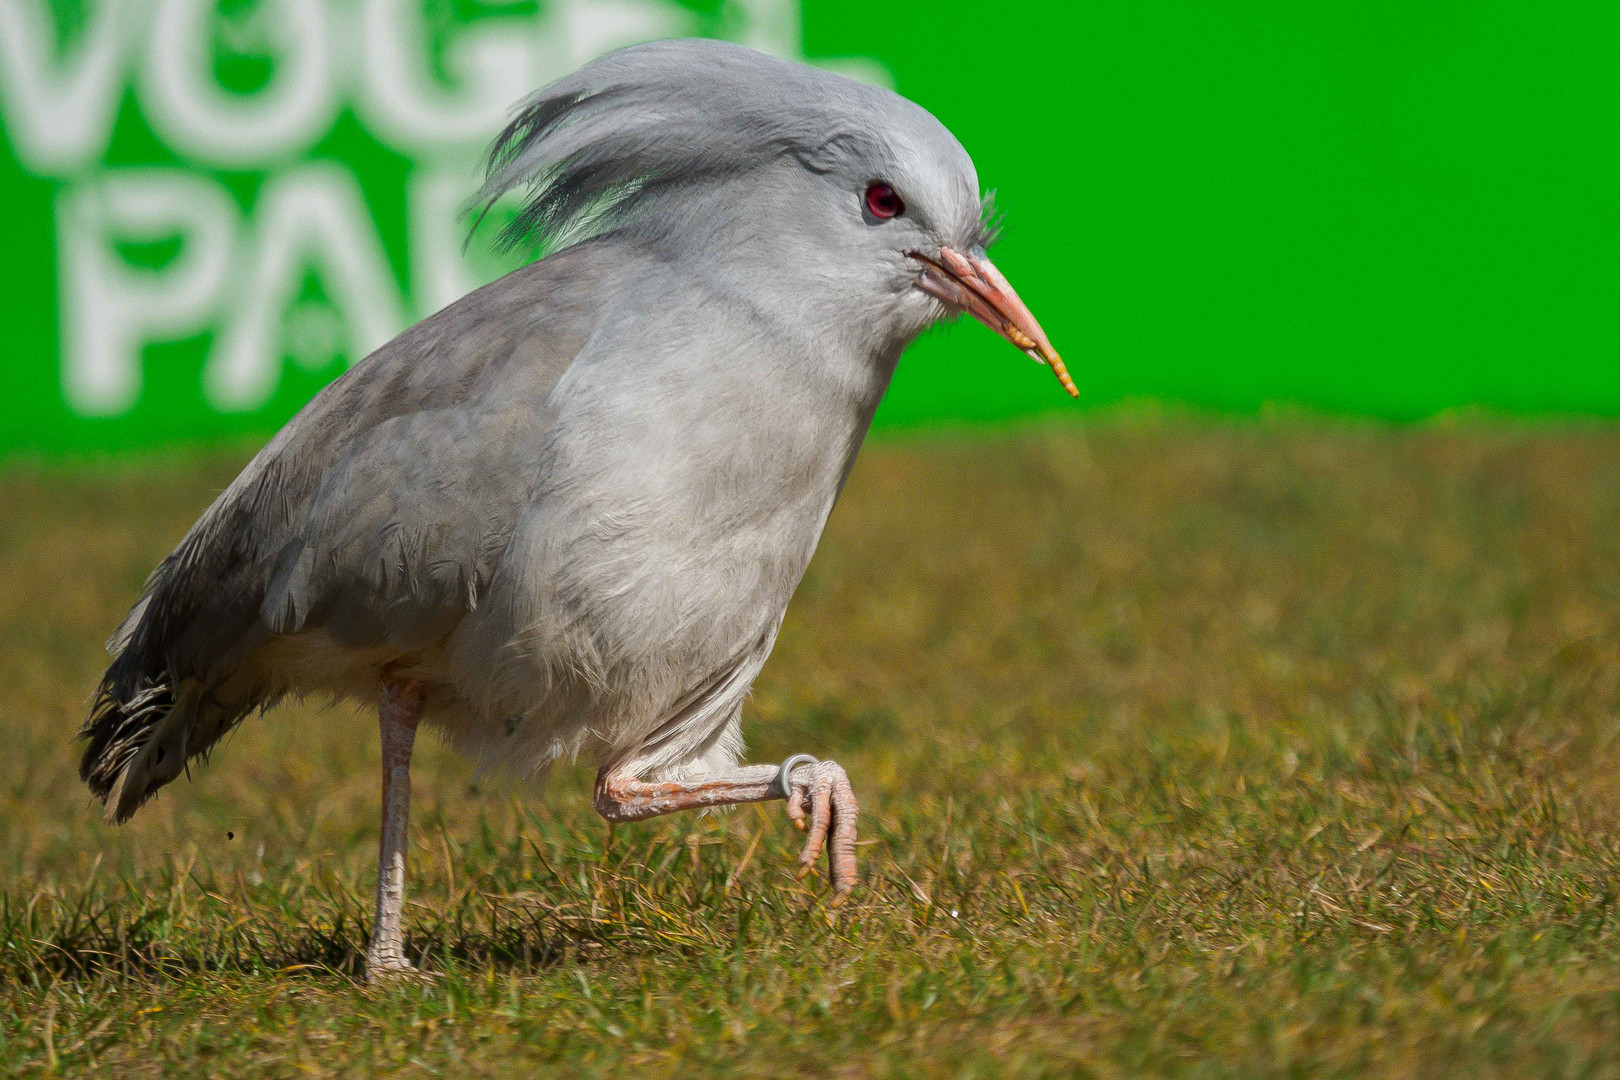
883, 201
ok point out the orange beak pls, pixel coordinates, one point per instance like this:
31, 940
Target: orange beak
973, 284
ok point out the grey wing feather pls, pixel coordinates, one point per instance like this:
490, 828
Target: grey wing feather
377, 515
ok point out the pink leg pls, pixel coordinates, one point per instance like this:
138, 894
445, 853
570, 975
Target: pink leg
398, 709
822, 785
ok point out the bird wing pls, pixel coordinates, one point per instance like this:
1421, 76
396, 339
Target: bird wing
378, 513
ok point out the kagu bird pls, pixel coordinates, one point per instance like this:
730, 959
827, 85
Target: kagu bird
565, 514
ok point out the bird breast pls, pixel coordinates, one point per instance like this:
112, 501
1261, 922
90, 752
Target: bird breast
669, 528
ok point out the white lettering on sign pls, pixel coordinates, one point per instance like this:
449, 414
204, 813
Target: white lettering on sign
440, 274
589, 28
187, 107
493, 64
59, 109
111, 308
241, 276
312, 219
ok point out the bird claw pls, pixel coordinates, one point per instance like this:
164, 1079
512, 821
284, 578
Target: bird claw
822, 803
390, 966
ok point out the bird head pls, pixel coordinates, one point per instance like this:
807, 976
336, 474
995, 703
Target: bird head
845, 205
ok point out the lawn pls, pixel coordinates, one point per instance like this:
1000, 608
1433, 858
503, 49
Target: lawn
1185, 747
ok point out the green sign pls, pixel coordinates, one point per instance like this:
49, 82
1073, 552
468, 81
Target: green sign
214, 206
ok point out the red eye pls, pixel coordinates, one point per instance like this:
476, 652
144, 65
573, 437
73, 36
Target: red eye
883, 201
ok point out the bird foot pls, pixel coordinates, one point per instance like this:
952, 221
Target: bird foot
822, 803
389, 966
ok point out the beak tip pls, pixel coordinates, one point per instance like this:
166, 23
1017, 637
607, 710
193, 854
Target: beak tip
973, 283
1063, 376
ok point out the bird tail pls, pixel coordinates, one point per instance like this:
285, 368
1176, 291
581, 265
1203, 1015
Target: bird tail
144, 722
136, 737
181, 674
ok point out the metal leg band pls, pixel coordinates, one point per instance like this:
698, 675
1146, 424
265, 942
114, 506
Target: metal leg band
784, 783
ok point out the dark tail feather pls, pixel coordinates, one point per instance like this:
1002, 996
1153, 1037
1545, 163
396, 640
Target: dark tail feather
117, 730
171, 691
136, 740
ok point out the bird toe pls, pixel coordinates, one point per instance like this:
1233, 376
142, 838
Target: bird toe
822, 803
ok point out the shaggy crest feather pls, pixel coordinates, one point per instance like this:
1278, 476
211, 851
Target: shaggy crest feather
597, 150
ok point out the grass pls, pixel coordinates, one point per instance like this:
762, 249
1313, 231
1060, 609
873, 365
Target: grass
1186, 748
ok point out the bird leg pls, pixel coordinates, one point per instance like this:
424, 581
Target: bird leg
399, 707
819, 799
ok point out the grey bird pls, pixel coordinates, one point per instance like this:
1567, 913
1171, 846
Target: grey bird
565, 515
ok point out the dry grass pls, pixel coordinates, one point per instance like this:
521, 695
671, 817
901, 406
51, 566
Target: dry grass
1188, 748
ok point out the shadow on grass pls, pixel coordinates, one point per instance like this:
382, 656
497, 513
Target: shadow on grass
112, 939
504, 912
